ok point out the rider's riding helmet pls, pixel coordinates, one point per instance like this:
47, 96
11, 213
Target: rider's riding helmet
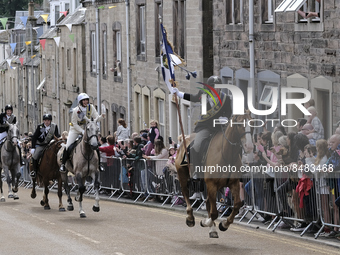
47, 117
212, 80
82, 96
8, 107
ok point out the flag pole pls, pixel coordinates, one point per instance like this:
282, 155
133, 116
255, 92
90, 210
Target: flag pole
173, 85
181, 125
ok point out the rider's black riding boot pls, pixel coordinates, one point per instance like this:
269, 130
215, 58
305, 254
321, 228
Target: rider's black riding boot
21, 161
101, 168
35, 168
63, 161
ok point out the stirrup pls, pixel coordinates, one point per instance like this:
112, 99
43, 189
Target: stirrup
32, 174
62, 168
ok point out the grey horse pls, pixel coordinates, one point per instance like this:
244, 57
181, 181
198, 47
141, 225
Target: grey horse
83, 163
10, 162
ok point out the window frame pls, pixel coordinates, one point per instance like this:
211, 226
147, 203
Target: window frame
179, 27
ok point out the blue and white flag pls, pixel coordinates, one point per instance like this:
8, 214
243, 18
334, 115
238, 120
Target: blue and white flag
168, 61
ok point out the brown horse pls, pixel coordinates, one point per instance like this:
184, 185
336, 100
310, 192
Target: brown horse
48, 171
224, 150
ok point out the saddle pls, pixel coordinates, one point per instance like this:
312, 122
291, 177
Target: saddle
202, 154
71, 148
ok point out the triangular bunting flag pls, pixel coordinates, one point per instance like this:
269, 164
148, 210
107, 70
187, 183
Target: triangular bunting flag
24, 20
9, 62
101, 7
69, 27
13, 46
42, 43
110, 7
28, 42
13, 67
21, 61
4, 22
71, 37
57, 40
65, 13
44, 16
33, 56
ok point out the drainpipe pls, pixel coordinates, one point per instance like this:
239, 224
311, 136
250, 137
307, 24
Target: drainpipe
127, 3
251, 47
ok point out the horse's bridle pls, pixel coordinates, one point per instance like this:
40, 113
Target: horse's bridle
238, 142
89, 138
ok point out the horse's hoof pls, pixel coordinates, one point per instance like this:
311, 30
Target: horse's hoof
62, 209
10, 196
15, 197
190, 223
82, 215
2, 199
220, 226
33, 195
42, 203
47, 207
70, 208
95, 208
213, 235
201, 224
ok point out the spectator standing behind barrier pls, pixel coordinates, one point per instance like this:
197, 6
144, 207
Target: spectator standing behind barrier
334, 160
64, 135
320, 161
122, 130
318, 130
306, 130
103, 143
160, 153
154, 134
139, 164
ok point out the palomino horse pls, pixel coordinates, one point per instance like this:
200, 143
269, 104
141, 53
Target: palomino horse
49, 170
84, 163
224, 150
10, 162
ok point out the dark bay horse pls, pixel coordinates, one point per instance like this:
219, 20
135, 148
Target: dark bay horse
48, 171
84, 163
224, 150
10, 162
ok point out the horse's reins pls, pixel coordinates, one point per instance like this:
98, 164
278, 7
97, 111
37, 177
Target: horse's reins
91, 156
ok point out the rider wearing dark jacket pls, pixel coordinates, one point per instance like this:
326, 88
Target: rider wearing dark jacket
204, 128
42, 136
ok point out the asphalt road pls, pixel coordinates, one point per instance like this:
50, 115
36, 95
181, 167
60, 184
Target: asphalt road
122, 229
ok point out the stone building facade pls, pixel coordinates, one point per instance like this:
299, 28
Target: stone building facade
290, 51
186, 22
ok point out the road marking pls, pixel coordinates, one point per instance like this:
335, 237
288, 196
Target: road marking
119, 253
82, 236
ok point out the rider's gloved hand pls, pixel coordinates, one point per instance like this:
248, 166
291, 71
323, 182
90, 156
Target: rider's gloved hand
177, 92
32, 151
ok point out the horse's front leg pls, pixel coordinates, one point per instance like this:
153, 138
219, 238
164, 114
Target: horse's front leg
95, 207
82, 188
183, 176
9, 182
15, 181
60, 194
212, 210
44, 201
70, 206
2, 197
235, 190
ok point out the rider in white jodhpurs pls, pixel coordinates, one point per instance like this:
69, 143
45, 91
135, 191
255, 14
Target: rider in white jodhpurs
78, 124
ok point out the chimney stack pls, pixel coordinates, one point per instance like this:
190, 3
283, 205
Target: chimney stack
31, 22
